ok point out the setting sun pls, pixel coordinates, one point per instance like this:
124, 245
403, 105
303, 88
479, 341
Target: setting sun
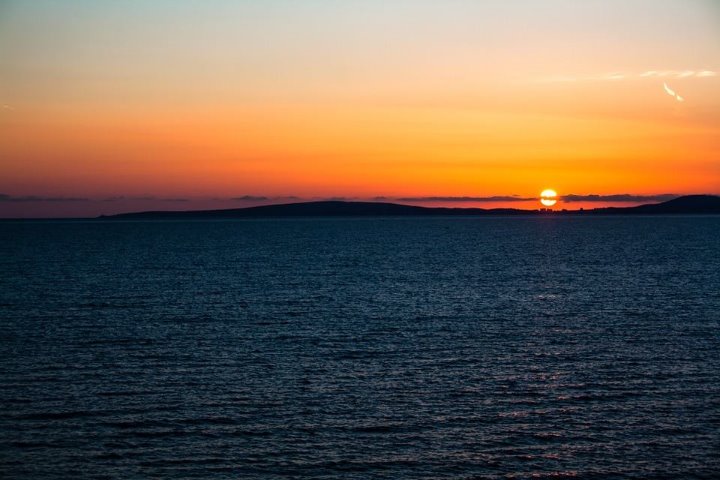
548, 197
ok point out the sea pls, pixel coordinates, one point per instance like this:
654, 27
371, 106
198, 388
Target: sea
361, 348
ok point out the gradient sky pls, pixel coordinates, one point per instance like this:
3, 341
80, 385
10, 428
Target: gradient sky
112, 106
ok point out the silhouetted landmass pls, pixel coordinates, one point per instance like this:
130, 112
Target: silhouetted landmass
691, 204
320, 209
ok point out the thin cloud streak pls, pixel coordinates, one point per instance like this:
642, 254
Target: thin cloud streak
122, 198
250, 198
261, 198
672, 93
620, 198
569, 198
496, 198
38, 198
615, 76
119, 198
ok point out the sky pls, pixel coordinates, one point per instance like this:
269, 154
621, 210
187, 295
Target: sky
114, 106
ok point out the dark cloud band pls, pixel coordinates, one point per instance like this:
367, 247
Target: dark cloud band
35, 198
570, 198
497, 198
623, 197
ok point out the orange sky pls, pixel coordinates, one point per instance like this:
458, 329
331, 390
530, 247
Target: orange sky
152, 104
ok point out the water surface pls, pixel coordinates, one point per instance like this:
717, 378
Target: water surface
361, 348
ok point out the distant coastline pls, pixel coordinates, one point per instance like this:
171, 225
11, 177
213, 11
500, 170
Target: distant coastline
689, 204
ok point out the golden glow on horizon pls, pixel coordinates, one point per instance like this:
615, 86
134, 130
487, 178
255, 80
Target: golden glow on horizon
359, 100
548, 197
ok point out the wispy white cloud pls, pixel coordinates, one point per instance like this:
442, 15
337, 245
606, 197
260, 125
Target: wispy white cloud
615, 76
672, 93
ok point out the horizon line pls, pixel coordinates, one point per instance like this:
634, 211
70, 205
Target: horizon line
540, 209
567, 198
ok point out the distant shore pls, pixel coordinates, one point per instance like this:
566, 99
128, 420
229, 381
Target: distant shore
685, 205
689, 204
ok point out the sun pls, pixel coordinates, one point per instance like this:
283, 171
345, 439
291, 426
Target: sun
548, 197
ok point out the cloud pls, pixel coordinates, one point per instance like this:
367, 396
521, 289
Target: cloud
615, 76
250, 198
38, 198
260, 198
678, 73
570, 198
496, 198
123, 198
622, 197
336, 199
119, 198
672, 93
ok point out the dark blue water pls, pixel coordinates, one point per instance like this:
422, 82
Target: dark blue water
361, 348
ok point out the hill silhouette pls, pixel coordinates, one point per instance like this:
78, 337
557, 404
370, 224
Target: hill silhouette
691, 204
333, 208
